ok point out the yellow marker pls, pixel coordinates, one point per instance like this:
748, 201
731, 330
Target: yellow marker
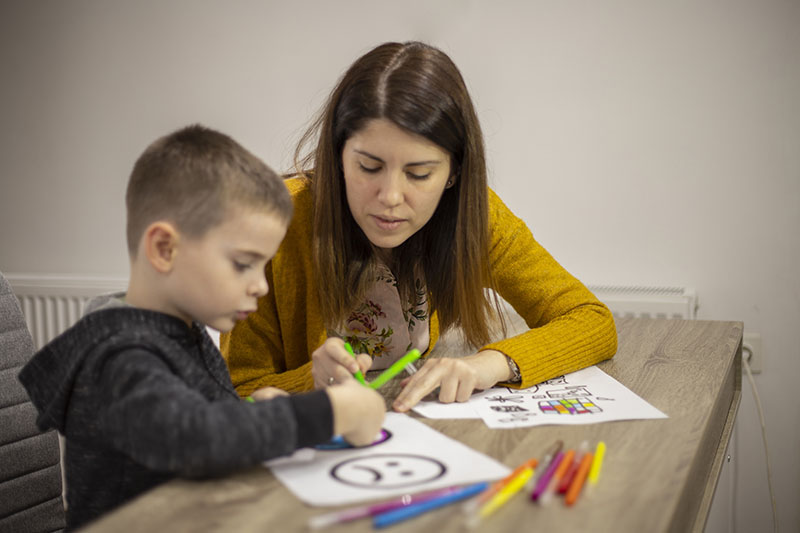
597, 464
506, 493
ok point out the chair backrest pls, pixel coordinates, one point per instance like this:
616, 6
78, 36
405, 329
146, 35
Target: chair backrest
30, 467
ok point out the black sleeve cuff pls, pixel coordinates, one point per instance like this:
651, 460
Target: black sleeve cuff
314, 415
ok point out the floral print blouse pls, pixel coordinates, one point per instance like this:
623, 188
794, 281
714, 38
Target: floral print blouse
383, 326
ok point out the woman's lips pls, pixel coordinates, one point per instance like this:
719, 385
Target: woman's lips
388, 223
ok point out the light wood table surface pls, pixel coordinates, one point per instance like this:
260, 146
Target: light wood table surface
658, 475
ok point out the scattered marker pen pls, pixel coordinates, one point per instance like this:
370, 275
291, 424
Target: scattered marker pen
544, 481
569, 475
566, 461
358, 375
503, 496
404, 513
597, 464
395, 369
348, 515
574, 489
472, 505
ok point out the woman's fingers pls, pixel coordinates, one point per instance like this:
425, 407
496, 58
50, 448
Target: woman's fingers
364, 362
332, 363
455, 378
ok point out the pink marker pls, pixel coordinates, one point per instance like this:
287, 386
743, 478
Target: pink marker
348, 515
541, 484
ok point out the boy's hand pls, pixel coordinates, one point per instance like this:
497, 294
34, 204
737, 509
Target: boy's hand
332, 364
358, 412
268, 393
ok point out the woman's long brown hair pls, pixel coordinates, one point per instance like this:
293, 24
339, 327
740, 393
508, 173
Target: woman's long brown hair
418, 88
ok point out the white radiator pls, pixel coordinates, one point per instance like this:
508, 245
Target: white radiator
648, 302
51, 304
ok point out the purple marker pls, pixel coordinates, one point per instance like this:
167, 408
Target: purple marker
348, 515
543, 481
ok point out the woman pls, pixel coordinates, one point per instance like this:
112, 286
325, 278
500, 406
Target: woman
396, 237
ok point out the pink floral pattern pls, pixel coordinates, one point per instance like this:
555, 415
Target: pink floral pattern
385, 327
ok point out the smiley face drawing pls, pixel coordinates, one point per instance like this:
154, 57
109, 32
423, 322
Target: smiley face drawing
388, 471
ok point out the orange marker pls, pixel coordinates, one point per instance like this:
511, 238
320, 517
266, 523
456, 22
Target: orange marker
569, 475
564, 465
580, 476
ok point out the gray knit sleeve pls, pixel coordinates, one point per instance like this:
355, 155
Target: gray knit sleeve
155, 418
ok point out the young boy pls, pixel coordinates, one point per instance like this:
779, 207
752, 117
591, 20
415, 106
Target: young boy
137, 387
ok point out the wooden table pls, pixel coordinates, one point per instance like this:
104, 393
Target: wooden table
658, 475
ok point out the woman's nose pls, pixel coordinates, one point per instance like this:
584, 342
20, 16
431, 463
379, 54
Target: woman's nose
391, 191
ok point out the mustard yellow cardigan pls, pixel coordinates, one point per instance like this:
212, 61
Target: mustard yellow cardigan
570, 328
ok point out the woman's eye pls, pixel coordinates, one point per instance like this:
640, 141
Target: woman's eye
371, 170
417, 176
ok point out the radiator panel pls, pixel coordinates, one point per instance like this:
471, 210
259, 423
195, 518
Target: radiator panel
51, 304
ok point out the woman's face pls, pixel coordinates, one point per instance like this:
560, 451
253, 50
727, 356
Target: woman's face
394, 180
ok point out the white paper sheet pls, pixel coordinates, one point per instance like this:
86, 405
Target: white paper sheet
587, 396
414, 458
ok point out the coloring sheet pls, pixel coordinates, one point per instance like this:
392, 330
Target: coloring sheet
587, 396
406, 458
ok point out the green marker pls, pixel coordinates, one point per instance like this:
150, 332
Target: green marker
395, 369
250, 399
359, 376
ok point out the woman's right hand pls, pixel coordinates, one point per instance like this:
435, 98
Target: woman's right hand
358, 412
332, 364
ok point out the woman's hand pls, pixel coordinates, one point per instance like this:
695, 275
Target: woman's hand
455, 377
332, 364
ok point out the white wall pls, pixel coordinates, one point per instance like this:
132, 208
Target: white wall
644, 143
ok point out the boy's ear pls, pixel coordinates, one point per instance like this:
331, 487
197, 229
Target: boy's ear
161, 245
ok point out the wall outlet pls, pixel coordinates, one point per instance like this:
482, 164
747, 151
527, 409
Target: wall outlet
752, 351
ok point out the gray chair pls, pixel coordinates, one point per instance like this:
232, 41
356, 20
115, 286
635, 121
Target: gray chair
30, 468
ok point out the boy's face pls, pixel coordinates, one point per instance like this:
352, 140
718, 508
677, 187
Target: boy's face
217, 278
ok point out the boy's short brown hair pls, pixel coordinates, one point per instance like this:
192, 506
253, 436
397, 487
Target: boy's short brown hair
190, 177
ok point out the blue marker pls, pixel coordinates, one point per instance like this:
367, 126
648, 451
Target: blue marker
404, 513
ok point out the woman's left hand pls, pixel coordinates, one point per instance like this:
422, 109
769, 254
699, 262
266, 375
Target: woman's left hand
455, 377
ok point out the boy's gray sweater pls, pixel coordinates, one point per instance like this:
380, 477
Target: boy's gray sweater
141, 398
